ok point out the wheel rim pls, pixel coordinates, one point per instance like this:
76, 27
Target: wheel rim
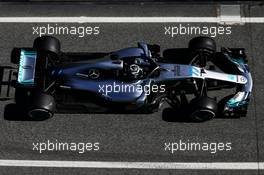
203, 115
39, 114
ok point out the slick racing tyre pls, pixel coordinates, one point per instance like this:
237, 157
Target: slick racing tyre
203, 44
202, 109
22, 96
47, 47
15, 55
203, 49
41, 107
47, 44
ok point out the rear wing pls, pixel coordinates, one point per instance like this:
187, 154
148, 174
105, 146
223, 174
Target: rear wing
22, 74
26, 68
8, 76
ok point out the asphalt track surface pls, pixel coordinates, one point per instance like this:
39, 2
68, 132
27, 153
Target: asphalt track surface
138, 138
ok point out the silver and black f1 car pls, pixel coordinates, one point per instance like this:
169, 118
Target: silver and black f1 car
130, 80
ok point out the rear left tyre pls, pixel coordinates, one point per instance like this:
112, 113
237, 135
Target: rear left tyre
15, 55
47, 44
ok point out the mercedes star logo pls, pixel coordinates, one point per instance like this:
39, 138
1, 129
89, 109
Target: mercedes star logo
93, 73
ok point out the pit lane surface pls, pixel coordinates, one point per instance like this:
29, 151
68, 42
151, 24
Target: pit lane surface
133, 138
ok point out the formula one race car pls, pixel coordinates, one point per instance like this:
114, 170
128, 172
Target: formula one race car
130, 80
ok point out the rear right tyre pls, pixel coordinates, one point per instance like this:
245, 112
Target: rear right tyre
41, 107
22, 96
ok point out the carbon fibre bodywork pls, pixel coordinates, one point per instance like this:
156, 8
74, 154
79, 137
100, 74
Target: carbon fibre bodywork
131, 79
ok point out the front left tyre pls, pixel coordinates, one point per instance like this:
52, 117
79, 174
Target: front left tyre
204, 48
203, 44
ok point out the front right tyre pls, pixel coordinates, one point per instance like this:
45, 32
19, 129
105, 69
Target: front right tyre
202, 109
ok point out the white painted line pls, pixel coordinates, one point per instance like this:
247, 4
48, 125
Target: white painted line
136, 165
83, 19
